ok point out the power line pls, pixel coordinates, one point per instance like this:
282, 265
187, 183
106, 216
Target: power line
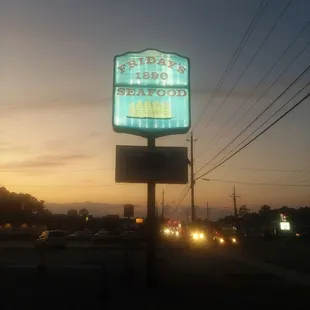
260, 114
182, 192
304, 180
259, 183
260, 82
278, 78
269, 118
248, 65
192, 180
184, 196
291, 175
233, 60
182, 199
235, 56
275, 170
256, 137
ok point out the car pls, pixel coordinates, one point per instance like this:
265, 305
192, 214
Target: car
82, 235
218, 239
103, 235
231, 239
198, 236
222, 240
52, 238
171, 233
129, 235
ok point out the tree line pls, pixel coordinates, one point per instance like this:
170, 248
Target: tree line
265, 216
22, 206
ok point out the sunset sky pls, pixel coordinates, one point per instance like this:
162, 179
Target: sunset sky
56, 64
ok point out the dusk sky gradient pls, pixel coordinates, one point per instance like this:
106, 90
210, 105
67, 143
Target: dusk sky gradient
56, 64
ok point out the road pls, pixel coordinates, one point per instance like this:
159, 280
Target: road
281, 252
284, 253
186, 277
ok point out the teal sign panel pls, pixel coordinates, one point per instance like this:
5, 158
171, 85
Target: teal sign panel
151, 93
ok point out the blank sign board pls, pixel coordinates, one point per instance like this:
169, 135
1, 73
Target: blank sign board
140, 164
128, 210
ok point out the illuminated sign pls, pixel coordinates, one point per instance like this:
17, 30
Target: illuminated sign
285, 226
139, 220
151, 94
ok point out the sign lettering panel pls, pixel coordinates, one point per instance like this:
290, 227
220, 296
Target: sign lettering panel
151, 94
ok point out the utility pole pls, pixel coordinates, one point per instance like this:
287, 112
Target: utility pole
156, 210
187, 216
192, 140
163, 205
234, 197
207, 211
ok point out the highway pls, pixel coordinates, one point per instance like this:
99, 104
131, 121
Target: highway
279, 252
186, 276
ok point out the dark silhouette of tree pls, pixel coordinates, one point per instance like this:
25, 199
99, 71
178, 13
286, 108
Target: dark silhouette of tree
45, 212
83, 212
267, 217
13, 203
111, 222
264, 209
228, 220
243, 211
304, 216
72, 213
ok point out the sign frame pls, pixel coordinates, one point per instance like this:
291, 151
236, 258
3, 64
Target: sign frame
157, 169
129, 210
141, 132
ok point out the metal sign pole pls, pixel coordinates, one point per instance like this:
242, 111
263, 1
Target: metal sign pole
151, 219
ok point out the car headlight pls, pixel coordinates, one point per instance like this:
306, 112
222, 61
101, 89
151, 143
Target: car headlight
222, 240
177, 233
195, 236
201, 236
167, 231
234, 240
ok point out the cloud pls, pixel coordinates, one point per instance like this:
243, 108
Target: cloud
96, 209
56, 145
4, 144
95, 135
71, 142
45, 161
8, 147
56, 105
87, 181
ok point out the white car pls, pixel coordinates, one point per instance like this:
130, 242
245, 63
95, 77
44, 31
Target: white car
52, 238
